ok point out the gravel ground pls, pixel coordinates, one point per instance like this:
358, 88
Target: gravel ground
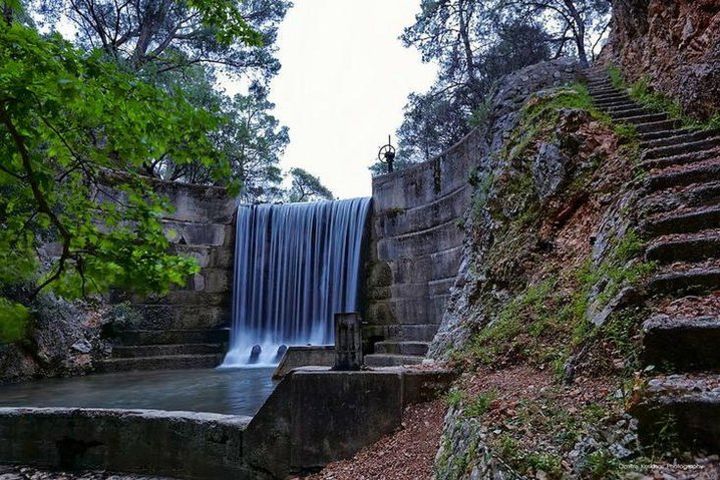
408, 454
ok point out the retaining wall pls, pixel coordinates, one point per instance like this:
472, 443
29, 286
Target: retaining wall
416, 242
201, 226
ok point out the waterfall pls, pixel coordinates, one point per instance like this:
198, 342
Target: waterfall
296, 265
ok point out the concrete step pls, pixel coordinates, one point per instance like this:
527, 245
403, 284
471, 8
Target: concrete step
173, 337
682, 159
689, 281
167, 350
678, 137
170, 362
705, 143
683, 407
677, 178
688, 221
412, 333
685, 248
655, 126
386, 360
674, 344
402, 348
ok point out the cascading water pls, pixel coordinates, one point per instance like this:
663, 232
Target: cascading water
296, 265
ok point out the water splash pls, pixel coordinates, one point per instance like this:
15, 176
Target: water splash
296, 265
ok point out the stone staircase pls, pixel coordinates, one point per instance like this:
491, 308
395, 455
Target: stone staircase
405, 345
681, 338
166, 350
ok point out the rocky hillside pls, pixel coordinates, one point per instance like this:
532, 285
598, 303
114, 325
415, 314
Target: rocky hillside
579, 262
675, 45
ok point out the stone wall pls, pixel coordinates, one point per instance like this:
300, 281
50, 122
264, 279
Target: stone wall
674, 43
416, 240
201, 226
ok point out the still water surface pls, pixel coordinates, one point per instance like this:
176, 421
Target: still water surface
227, 391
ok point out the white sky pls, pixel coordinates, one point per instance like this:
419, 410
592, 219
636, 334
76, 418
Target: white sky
344, 80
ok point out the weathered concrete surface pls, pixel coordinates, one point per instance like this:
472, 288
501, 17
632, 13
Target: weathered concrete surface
177, 444
416, 240
305, 356
201, 226
315, 417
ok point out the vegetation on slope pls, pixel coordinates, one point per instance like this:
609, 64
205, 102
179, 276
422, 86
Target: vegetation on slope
553, 358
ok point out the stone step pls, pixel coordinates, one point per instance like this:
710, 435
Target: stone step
686, 248
632, 112
173, 337
687, 176
681, 343
621, 107
646, 137
167, 350
646, 118
650, 127
688, 221
603, 90
698, 280
683, 407
678, 137
402, 348
610, 98
170, 362
620, 104
681, 148
387, 360
682, 159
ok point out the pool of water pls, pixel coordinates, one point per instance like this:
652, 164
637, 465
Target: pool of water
226, 391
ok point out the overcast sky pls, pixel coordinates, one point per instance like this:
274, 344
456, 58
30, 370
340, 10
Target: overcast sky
344, 81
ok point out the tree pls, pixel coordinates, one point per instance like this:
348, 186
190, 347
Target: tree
474, 49
581, 23
157, 36
307, 187
75, 134
184, 45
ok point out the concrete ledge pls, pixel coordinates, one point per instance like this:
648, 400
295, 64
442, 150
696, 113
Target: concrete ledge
305, 356
176, 444
314, 416
318, 416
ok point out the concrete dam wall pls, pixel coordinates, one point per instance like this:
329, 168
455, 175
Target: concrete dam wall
416, 243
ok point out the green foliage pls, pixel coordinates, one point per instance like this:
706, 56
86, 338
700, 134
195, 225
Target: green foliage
480, 404
225, 19
642, 92
454, 397
76, 135
307, 187
13, 320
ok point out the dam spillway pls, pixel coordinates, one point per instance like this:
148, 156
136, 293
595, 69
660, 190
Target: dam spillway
296, 265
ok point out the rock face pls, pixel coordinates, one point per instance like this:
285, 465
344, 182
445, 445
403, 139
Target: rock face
676, 44
66, 340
